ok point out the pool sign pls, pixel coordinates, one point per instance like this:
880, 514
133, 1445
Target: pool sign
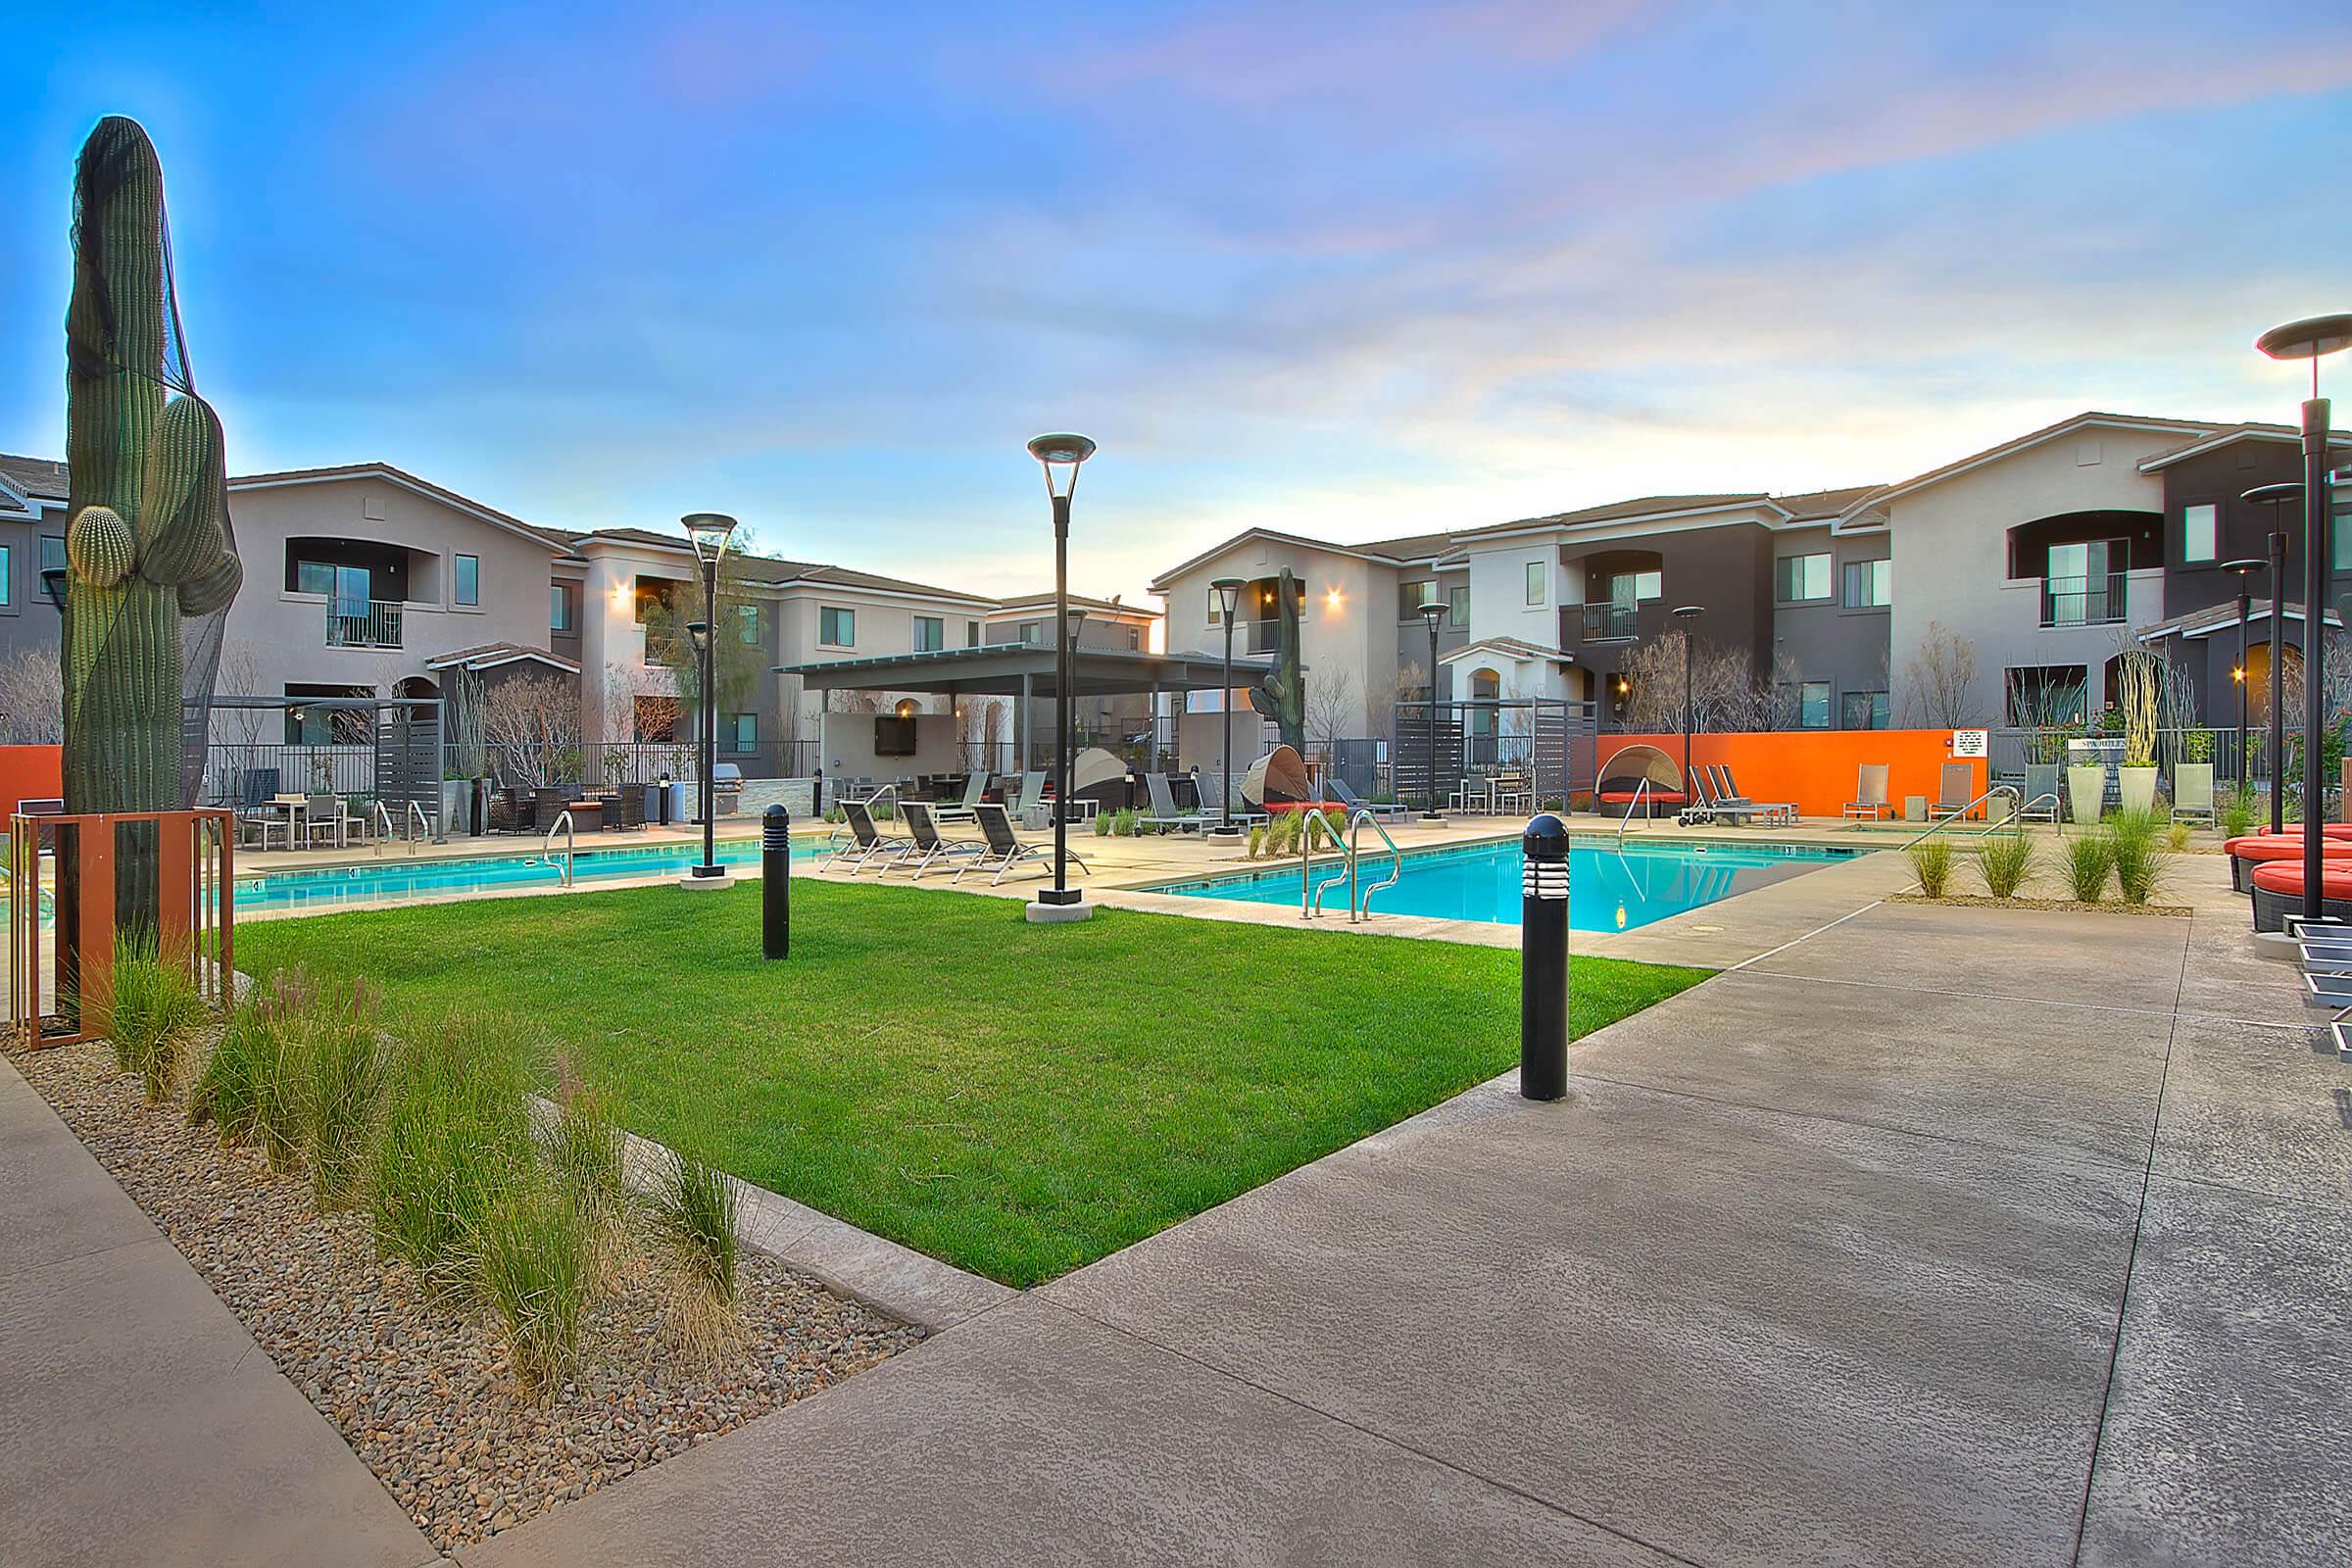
1971, 743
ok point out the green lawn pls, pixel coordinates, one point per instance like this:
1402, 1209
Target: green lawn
1016, 1100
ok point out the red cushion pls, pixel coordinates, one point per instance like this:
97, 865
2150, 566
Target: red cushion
1625, 797
2287, 876
2293, 830
2286, 847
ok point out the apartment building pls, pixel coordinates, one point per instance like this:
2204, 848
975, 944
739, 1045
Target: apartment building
2042, 558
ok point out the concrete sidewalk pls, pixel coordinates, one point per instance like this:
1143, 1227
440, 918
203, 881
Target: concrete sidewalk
1940, 1235
140, 1422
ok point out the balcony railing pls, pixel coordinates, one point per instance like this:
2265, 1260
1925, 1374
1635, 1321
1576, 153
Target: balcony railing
1609, 623
2094, 601
361, 623
1265, 636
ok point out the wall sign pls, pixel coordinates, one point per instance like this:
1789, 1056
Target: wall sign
1971, 743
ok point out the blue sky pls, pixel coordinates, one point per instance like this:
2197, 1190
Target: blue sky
1348, 271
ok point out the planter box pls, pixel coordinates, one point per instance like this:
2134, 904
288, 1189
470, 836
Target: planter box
2135, 788
2085, 791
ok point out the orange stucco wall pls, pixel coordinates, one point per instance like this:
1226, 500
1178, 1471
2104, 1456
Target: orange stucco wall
29, 773
1816, 768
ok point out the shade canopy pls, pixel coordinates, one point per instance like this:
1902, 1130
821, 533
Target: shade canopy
1003, 670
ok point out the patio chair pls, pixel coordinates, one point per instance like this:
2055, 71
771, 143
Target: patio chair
1164, 812
321, 816
2042, 785
929, 848
1031, 807
1386, 812
961, 811
1003, 849
1507, 792
1869, 793
2192, 792
1955, 792
867, 844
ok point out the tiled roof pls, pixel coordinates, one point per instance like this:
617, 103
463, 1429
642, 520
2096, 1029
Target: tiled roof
355, 470
484, 655
1508, 647
35, 476
776, 567
1110, 607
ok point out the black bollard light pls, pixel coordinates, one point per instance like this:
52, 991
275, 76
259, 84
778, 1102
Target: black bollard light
776, 881
1543, 959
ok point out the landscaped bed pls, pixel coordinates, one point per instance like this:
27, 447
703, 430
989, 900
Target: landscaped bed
1015, 1100
424, 1390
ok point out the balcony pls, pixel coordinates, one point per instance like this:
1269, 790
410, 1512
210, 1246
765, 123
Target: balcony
2094, 601
363, 623
1263, 636
1609, 623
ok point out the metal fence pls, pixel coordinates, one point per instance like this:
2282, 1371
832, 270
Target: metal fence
1549, 742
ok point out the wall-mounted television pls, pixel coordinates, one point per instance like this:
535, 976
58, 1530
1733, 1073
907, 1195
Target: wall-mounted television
894, 736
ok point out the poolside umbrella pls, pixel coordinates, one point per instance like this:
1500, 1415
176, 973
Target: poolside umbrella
1099, 776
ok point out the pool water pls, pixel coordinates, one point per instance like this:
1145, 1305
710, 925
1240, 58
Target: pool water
392, 879
1608, 889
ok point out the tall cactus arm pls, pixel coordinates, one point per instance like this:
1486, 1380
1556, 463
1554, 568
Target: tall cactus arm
202, 595
179, 522
114, 320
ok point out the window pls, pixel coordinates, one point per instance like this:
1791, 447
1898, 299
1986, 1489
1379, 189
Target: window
5, 590
2198, 527
1032, 633
559, 608
2040, 696
53, 552
1865, 711
1135, 639
741, 733
836, 627
930, 634
651, 592
1534, 582
971, 634
2339, 539
1813, 705
470, 580
314, 577
1869, 585
1457, 607
1412, 596
1803, 578
1648, 585
747, 623
1216, 610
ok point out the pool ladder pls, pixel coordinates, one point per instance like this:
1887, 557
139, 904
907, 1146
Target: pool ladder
546, 846
1343, 839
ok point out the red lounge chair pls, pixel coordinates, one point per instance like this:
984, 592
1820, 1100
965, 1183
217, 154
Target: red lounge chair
2278, 892
2260, 849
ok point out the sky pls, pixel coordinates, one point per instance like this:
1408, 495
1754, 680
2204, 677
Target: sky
1349, 270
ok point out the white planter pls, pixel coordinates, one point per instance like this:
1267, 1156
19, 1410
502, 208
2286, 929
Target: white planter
456, 806
2135, 788
2085, 792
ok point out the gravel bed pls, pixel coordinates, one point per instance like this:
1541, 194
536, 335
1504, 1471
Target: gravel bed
423, 1395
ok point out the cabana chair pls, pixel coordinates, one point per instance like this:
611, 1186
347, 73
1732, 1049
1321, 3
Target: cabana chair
1728, 798
961, 810
1003, 849
929, 848
1955, 792
1643, 771
1869, 793
866, 842
1389, 812
1164, 812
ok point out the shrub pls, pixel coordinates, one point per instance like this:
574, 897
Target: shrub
1931, 863
228, 1091
2089, 856
526, 1252
2237, 810
2005, 861
696, 1206
1257, 839
153, 1011
2138, 854
453, 1137
333, 1055
2175, 834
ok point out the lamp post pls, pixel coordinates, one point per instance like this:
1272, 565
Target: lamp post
1059, 455
710, 531
2241, 569
1431, 612
1229, 600
2309, 339
1688, 615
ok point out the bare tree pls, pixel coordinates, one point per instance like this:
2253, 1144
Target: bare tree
1724, 692
1942, 677
532, 723
32, 698
1330, 706
1380, 702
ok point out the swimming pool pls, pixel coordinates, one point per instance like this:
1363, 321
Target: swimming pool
1608, 889
332, 886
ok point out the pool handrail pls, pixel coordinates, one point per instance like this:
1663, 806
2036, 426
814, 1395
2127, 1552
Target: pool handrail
416, 813
1359, 905
1639, 788
383, 814
570, 843
1311, 905
1961, 815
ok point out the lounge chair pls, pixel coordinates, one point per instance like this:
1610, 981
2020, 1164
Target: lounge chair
1955, 792
1164, 812
1388, 811
961, 810
929, 848
2042, 785
867, 844
1869, 793
1003, 849
1030, 807
1729, 798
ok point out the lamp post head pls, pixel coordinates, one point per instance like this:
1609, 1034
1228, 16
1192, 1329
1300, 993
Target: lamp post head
1229, 596
2274, 495
710, 531
1689, 612
2245, 568
1430, 610
1060, 455
698, 632
1075, 617
2306, 339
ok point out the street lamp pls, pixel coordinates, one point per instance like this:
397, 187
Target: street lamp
1059, 455
710, 531
1229, 600
1688, 615
2309, 339
1432, 611
2276, 496
2241, 571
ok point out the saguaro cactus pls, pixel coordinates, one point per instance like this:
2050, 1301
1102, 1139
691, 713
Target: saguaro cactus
1281, 694
147, 541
